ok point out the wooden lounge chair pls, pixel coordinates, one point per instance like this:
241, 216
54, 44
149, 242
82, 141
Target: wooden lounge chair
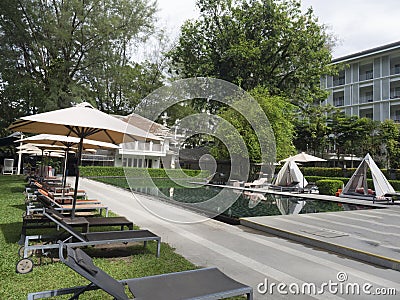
76, 239
207, 283
81, 205
39, 221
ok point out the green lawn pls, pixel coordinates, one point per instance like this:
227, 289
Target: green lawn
125, 262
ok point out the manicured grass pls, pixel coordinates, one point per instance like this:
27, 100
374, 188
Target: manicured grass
122, 262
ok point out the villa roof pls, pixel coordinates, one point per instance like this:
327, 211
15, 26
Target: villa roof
144, 124
368, 52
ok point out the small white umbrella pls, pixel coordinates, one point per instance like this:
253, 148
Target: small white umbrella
67, 142
82, 121
303, 158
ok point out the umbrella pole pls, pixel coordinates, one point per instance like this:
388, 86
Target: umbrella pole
64, 179
78, 163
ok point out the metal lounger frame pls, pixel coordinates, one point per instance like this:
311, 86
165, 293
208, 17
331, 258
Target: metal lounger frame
82, 241
47, 201
101, 280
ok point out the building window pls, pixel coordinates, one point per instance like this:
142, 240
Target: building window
367, 75
369, 96
338, 101
396, 117
366, 95
369, 115
339, 79
135, 163
395, 93
395, 68
124, 162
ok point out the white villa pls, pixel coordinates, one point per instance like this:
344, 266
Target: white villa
138, 154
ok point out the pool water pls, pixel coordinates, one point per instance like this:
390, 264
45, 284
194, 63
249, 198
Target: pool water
248, 204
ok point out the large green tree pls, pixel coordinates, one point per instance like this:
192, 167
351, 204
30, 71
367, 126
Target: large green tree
312, 129
351, 134
280, 114
54, 53
388, 139
258, 42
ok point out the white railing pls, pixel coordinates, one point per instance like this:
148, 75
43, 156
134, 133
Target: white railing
366, 98
366, 76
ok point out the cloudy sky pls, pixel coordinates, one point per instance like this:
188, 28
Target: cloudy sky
357, 24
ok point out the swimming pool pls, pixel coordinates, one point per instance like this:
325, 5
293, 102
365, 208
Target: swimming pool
247, 204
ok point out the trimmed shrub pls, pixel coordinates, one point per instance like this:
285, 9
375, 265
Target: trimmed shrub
392, 174
140, 172
394, 183
328, 186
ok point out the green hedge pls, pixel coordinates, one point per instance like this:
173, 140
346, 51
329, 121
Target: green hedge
393, 174
140, 172
394, 183
328, 186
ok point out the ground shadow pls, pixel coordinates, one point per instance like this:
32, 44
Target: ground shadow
11, 231
19, 206
111, 251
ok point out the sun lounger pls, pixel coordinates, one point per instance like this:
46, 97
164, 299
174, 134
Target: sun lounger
81, 205
309, 188
76, 239
39, 221
256, 183
292, 187
207, 283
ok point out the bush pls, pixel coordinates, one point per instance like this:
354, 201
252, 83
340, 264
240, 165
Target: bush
328, 186
140, 172
394, 183
393, 174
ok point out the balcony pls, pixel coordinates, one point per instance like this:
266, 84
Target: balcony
338, 81
394, 94
367, 75
339, 101
142, 148
395, 70
366, 98
96, 157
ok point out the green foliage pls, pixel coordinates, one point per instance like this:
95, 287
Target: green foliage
140, 172
251, 43
351, 134
323, 172
311, 129
345, 180
328, 186
389, 134
56, 53
280, 114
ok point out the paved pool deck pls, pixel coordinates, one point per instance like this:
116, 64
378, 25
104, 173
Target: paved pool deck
250, 256
371, 235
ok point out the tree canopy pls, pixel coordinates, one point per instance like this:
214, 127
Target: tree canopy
55, 53
280, 114
256, 43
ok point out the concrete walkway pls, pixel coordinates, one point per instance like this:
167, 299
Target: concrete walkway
370, 235
247, 255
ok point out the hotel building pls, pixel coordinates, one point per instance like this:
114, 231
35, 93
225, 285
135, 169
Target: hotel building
369, 84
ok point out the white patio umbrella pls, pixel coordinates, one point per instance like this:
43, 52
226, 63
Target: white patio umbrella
39, 149
68, 142
303, 158
82, 121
